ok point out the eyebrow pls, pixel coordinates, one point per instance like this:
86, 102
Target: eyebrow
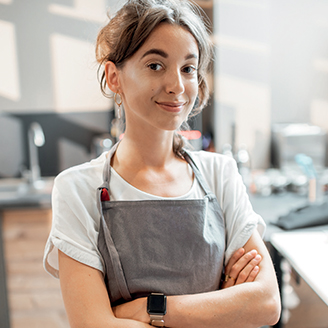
191, 56
163, 54
155, 52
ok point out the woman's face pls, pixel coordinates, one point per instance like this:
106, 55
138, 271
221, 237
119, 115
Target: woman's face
159, 82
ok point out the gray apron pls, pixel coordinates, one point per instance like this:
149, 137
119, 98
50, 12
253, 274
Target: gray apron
170, 246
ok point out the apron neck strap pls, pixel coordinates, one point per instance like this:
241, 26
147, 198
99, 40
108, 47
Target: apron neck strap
196, 171
107, 167
184, 153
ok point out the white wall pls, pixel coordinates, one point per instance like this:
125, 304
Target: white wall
271, 67
47, 60
47, 66
242, 76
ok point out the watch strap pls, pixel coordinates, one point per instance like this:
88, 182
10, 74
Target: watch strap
157, 320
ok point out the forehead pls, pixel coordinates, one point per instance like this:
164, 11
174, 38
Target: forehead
172, 39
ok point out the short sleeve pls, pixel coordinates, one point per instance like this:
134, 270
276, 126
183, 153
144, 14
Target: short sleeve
240, 218
75, 223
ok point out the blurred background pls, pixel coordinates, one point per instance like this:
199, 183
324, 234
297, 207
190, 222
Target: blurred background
269, 104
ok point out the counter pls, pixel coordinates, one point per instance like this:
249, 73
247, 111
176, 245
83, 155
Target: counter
271, 208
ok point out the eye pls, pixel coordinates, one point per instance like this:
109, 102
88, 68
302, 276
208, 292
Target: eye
189, 69
155, 67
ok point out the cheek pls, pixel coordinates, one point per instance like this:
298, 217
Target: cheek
130, 83
143, 86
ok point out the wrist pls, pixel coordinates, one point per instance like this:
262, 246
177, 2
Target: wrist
156, 308
134, 310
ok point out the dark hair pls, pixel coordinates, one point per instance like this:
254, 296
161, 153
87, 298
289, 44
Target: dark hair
133, 23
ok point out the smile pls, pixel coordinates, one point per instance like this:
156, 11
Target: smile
173, 107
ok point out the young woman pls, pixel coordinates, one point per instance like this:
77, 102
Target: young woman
144, 232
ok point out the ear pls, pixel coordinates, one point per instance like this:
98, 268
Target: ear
112, 76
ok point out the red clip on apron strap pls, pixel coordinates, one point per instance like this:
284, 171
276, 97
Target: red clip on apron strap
104, 195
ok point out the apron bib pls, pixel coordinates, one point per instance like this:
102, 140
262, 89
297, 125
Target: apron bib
170, 246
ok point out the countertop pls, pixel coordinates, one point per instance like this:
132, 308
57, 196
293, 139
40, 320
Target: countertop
17, 193
273, 206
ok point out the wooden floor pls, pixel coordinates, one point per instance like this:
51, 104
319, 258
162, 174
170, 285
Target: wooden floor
35, 298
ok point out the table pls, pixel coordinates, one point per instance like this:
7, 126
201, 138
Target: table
306, 251
271, 208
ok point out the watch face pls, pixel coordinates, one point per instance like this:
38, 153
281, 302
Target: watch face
156, 304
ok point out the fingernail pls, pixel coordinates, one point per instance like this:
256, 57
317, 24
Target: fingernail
258, 257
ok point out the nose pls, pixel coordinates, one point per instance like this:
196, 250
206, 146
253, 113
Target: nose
174, 82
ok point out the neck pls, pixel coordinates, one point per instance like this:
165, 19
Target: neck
153, 150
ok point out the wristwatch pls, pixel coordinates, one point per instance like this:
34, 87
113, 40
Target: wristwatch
156, 308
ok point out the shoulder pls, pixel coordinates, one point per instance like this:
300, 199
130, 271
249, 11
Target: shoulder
219, 171
81, 176
213, 163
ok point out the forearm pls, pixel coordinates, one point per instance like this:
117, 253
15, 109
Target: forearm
86, 299
123, 323
246, 305
107, 322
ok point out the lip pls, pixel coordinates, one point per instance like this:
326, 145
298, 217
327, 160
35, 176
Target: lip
174, 107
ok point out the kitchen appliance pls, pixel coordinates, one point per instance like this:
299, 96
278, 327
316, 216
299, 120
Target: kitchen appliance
288, 140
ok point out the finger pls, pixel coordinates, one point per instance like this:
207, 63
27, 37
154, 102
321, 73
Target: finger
246, 271
242, 263
237, 264
253, 274
234, 258
228, 281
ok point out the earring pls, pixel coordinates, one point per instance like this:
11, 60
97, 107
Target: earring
118, 104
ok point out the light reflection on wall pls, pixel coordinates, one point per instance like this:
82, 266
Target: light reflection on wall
276, 51
319, 107
9, 79
319, 113
74, 67
240, 44
73, 61
245, 3
242, 77
47, 57
94, 10
251, 103
321, 65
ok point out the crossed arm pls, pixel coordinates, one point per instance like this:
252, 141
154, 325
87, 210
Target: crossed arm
252, 299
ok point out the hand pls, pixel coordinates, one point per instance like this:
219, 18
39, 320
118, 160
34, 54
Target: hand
135, 310
242, 268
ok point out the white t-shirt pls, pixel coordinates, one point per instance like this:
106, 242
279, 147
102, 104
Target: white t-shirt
76, 218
